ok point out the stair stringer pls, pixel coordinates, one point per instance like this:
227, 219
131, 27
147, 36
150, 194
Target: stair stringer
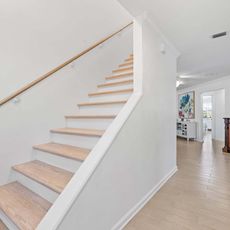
70, 194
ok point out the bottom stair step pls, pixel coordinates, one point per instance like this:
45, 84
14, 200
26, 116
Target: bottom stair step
22, 206
50, 176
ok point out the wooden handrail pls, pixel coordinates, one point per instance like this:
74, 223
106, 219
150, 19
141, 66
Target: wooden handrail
43, 77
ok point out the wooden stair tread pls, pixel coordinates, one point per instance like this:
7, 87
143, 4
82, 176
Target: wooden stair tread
76, 131
22, 206
90, 116
115, 83
126, 64
123, 70
129, 59
111, 92
67, 151
119, 76
50, 176
102, 103
3, 226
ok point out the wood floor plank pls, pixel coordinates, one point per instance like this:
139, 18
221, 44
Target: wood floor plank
50, 176
23, 207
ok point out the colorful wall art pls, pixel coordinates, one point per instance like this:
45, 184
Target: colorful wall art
186, 104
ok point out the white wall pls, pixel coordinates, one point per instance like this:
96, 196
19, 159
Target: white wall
36, 36
222, 86
44, 106
144, 152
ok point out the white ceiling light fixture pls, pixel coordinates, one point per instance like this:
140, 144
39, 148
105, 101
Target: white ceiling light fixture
184, 77
178, 83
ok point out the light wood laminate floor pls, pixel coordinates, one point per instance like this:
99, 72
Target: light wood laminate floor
197, 197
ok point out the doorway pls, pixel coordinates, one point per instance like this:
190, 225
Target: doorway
207, 101
213, 112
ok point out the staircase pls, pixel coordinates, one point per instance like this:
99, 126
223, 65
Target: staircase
37, 184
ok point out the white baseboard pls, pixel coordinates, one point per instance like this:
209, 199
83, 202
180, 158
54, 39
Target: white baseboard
132, 212
200, 140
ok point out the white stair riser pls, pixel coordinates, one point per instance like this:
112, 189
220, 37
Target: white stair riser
9, 224
115, 87
110, 97
36, 187
88, 123
58, 161
119, 79
75, 140
101, 109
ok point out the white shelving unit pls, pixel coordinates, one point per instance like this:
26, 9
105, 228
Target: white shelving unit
187, 129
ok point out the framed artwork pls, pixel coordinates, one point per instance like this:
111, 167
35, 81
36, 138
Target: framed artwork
186, 105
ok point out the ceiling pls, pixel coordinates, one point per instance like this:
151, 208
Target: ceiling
189, 26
